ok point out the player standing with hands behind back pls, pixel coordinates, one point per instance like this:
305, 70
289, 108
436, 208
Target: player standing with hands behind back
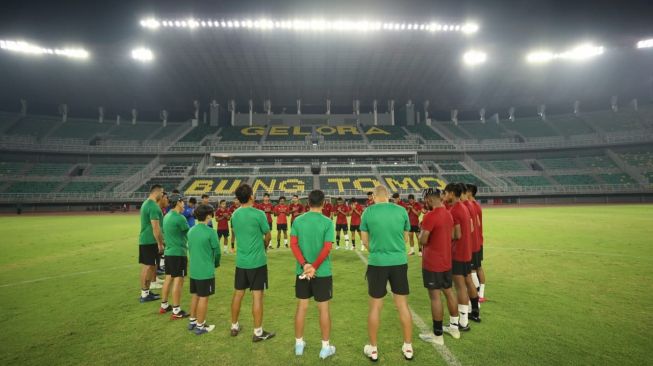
311, 240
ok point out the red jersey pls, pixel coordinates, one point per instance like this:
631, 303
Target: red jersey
356, 213
223, 224
462, 248
476, 244
341, 214
296, 209
267, 208
446, 205
413, 217
281, 211
369, 203
479, 212
437, 252
327, 210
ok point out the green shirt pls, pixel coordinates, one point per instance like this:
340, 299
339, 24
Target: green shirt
175, 228
249, 225
313, 229
386, 223
150, 210
203, 252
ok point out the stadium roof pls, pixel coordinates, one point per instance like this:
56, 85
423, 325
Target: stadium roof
283, 67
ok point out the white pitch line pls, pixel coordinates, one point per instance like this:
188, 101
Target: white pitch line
571, 251
443, 350
63, 276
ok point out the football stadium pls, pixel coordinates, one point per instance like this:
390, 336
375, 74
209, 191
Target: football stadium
292, 183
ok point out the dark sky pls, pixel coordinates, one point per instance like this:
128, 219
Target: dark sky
509, 28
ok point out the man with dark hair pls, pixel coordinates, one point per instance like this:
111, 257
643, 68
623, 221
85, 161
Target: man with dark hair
462, 255
435, 237
370, 199
205, 201
355, 222
342, 211
414, 209
150, 241
204, 256
281, 212
189, 211
478, 275
266, 206
384, 228
222, 216
311, 241
251, 227
175, 229
295, 208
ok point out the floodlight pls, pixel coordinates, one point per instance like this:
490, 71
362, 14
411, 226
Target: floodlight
470, 28
32, 49
142, 54
474, 57
582, 52
645, 43
540, 56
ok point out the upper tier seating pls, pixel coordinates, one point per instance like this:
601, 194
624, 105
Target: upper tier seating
268, 170
596, 162
11, 168
484, 131
615, 121
574, 180
229, 170
409, 169
32, 187
127, 131
114, 169
463, 178
33, 126
450, 165
642, 159
84, 187
426, 132
356, 169
198, 133
231, 134
174, 169
166, 133
558, 163
532, 181
168, 184
570, 125
504, 165
50, 169
396, 133
619, 178
531, 127
81, 129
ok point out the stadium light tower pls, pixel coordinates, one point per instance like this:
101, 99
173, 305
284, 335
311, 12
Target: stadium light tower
645, 43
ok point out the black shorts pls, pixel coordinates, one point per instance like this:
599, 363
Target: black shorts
340, 227
414, 228
254, 279
319, 288
176, 266
148, 254
480, 253
353, 228
223, 233
461, 268
282, 227
379, 276
436, 280
202, 288
476, 259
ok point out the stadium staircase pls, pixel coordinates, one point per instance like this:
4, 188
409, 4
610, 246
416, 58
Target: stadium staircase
632, 172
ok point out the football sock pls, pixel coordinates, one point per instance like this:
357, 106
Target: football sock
192, 320
475, 309
201, 325
325, 344
453, 321
481, 292
285, 241
462, 310
338, 239
258, 331
176, 309
299, 340
278, 243
437, 327
235, 325
144, 293
475, 279
164, 305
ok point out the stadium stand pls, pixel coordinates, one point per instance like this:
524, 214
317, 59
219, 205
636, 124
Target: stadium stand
198, 133
451, 165
484, 131
288, 133
36, 126
396, 133
504, 165
466, 178
11, 168
347, 169
346, 184
212, 185
570, 125
281, 170
409, 169
113, 169
343, 133
166, 133
127, 131
234, 134
619, 178
426, 132
530, 181
168, 183
574, 179
50, 169
84, 187
610, 121
229, 170
285, 185
33, 187
558, 163
80, 128
602, 162
642, 159
531, 127
404, 182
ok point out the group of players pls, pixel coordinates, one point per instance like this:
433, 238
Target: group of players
450, 236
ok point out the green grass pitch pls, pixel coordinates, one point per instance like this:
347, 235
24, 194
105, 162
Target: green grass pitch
566, 285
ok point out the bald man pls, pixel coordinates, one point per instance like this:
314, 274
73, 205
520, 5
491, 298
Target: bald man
384, 231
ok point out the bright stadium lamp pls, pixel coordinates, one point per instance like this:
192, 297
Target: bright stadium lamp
540, 56
474, 57
582, 52
33, 49
150, 23
470, 28
142, 54
645, 43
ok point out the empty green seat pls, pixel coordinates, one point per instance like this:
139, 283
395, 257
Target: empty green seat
426, 132
198, 133
463, 178
574, 180
84, 187
32, 187
618, 178
50, 169
532, 181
